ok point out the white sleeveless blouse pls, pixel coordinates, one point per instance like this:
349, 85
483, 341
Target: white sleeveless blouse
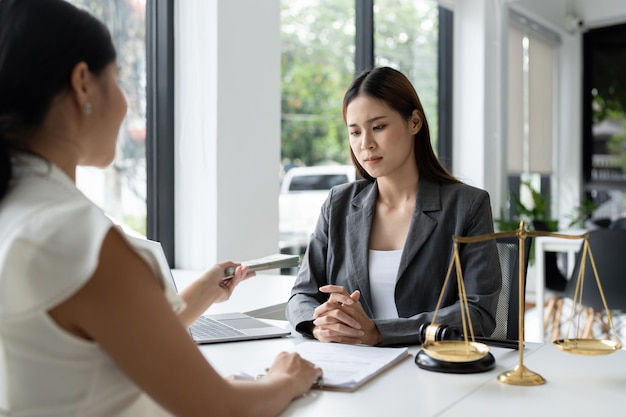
50, 239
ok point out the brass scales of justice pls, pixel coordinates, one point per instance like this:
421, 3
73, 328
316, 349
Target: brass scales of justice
467, 355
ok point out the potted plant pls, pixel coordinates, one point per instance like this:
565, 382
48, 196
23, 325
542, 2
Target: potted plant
539, 211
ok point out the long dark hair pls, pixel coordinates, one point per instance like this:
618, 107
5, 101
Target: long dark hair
41, 41
393, 88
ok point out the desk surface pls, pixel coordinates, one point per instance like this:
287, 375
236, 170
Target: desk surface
402, 390
257, 294
576, 385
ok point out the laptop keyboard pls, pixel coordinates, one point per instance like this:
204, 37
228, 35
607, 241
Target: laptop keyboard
206, 327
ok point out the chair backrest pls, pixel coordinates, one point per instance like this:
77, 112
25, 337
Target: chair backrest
507, 313
618, 224
608, 248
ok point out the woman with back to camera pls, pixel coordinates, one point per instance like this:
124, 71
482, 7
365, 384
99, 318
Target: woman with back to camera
87, 325
375, 265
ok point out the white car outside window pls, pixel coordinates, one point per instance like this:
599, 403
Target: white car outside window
302, 193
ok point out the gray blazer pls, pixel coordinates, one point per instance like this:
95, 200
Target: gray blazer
338, 254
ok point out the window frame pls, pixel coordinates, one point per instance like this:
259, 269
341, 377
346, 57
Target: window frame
160, 203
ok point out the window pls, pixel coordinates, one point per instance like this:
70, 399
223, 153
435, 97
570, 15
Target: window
531, 109
137, 189
317, 65
406, 38
120, 190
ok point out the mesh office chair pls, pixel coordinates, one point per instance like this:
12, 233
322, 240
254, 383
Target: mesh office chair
507, 313
608, 248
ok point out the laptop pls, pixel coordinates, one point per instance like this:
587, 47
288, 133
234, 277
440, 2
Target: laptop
216, 328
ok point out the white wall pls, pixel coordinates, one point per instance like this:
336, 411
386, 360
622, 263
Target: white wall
227, 78
478, 114
593, 13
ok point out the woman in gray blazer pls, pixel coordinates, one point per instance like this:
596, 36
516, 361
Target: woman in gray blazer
377, 259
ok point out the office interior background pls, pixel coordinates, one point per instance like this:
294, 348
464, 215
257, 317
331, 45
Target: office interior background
225, 95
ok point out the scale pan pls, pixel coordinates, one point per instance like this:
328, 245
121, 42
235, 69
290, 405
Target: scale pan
589, 347
455, 350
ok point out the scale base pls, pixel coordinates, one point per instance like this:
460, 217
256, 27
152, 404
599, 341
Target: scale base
521, 375
424, 361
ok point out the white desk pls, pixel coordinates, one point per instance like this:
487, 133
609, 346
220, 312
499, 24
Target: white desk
402, 390
263, 296
543, 244
576, 385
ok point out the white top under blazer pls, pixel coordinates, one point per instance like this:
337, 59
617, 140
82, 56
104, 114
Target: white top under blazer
383, 272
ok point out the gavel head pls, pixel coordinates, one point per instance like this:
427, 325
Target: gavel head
436, 332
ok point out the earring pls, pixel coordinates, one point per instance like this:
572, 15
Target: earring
87, 108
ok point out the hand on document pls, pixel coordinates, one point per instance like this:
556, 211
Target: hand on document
344, 367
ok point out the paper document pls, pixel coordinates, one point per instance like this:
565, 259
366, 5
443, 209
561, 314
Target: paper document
348, 367
345, 367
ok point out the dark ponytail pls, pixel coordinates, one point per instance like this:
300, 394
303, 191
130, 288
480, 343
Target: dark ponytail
41, 41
